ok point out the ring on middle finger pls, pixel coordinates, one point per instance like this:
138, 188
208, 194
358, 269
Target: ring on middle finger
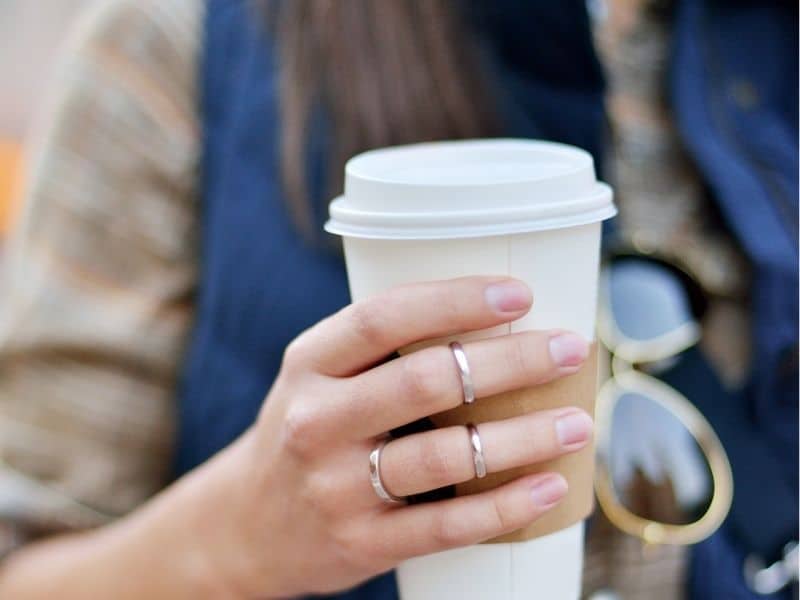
463, 370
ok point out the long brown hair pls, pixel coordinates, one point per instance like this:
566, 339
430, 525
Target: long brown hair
383, 72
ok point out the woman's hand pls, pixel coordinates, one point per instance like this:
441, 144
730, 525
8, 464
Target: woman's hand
289, 508
297, 513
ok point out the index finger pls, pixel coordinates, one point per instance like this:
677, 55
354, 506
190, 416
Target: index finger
364, 333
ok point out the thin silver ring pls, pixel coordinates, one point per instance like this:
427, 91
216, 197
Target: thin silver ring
477, 451
463, 369
375, 476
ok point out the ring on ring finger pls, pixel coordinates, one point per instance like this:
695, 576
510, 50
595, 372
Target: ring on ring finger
426, 461
375, 475
478, 460
477, 451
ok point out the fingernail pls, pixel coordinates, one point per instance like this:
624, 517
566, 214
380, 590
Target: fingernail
549, 490
568, 349
508, 296
573, 428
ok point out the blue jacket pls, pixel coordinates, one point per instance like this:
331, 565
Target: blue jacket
260, 285
745, 145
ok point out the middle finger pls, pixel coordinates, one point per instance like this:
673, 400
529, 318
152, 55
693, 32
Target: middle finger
427, 381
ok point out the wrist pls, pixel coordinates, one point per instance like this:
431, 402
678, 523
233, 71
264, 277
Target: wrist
176, 536
172, 547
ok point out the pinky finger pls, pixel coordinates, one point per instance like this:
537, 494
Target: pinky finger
427, 528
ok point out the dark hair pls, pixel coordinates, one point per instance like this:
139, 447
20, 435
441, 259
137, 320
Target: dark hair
383, 72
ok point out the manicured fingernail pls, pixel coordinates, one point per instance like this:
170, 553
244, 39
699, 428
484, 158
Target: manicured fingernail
574, 428
508, 296
568, 349
549, 490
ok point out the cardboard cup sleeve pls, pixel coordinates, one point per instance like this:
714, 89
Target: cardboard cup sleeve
579, 389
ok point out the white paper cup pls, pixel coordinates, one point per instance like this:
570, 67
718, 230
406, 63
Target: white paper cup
528, 209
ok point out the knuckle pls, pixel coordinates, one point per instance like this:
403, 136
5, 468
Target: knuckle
368, 321
447, 530
362, 393
496, 520
296, 354
300, 430
346, 542
322, 492
520, 357
451, 307
422, 378
435, 459
353, 547
541, 428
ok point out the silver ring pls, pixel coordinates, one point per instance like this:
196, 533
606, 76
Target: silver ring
477, 451
463, 369
375, 476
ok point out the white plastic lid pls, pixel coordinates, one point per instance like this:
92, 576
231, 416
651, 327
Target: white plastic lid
468, 189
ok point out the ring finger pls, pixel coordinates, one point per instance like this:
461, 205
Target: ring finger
434, 459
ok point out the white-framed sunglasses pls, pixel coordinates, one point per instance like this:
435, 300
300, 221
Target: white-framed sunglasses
662, 473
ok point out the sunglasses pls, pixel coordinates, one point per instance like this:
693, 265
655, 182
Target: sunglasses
662, 473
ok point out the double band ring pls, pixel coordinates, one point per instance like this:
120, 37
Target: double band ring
463, 369
386, 496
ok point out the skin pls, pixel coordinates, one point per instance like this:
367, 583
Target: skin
288, 509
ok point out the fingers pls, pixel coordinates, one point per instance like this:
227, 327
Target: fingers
436, 526
427, 382
434, 459
366, 332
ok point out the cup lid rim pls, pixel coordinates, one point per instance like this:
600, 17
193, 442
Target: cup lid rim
468, 188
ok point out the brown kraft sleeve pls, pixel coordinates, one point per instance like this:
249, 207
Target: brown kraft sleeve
579, 389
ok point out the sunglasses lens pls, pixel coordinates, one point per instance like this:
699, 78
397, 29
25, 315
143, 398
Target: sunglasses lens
657, 469
647, 299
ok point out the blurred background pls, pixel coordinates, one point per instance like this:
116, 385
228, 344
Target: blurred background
31, 31
680, 266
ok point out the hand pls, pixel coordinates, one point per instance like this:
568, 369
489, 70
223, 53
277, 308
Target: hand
300, 515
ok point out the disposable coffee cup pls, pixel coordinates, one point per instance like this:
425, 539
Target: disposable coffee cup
528, 209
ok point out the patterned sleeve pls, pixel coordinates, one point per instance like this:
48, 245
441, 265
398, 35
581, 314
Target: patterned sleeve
99, 274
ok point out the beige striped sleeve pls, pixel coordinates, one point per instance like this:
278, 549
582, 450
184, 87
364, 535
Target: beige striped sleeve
96, 298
